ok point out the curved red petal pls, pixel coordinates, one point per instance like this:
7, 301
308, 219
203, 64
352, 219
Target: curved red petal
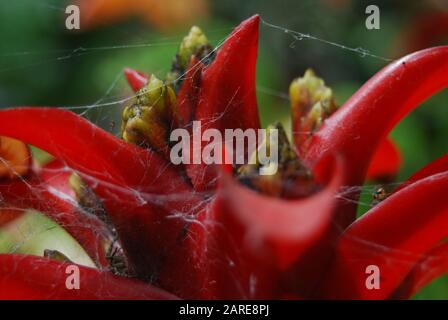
437, 166
136, 79
139, 189
358, 127
394, 235
227, 98
222, 95
28, 277
81, 145
385, 162
243, 244
431, 266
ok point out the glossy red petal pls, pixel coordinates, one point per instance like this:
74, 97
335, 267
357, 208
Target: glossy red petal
80, 144
394, 235
139, 189
359, 126
431, 266
227, 98
245, 244
385, 163
136, 79
28, 277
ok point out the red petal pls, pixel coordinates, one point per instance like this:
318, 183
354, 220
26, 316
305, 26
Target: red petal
385, 162
136, 79
430, 267
437, 166
28, 277
80, 144
139, 189
435, 262
227, 99
358, 127
393, 236
244, 243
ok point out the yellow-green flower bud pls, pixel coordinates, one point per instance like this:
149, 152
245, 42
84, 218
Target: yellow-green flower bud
311, 103
194, 44
148, 119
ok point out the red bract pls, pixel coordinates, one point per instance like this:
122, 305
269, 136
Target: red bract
424, 30
196, 231
385, 163
40, 278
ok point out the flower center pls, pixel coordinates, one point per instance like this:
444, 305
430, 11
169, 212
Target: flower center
291, 179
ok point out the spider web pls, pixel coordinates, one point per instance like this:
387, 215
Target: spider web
105, 112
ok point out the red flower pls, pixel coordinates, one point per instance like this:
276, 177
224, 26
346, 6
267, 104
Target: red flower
199, 233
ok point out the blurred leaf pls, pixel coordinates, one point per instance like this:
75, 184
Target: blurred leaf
32, 233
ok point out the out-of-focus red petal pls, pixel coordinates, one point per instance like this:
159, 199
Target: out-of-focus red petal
385, 162
136, 79
431, 266
359, 126
437, 166
48, 191
394, 235
139, 189
244, 243
227, 98
423, 31
28, 277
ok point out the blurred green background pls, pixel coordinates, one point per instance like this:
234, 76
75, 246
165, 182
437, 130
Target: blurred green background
43, 63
